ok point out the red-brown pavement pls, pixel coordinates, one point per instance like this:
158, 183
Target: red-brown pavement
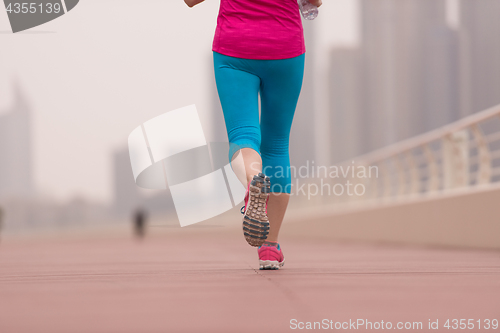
206, 279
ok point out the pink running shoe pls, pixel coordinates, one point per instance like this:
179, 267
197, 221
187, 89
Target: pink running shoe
271, 257
255, 220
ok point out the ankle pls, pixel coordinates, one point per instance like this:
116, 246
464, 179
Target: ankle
271, 243
251, 176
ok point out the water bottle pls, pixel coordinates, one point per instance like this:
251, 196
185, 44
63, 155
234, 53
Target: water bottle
308, 10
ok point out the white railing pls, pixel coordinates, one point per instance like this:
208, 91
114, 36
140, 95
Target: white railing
464, 154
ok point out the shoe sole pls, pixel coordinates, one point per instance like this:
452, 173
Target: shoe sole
271, 264
255, 220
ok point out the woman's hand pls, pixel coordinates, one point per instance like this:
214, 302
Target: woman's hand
317, 3
192, 3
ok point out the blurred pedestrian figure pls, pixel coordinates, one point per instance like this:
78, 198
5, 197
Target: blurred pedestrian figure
139, 222
1, 221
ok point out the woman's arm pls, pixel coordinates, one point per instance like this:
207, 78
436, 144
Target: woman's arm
192, 3
317, 3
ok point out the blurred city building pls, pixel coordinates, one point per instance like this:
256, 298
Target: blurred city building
23, 207
16, 164
479, 28
302, 146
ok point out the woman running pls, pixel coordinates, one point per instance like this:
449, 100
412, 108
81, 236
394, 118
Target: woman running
259, 48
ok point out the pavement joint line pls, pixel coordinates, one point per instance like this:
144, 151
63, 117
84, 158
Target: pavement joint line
8, 277
402, 273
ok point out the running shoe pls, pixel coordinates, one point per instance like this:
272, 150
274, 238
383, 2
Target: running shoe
271, 257
255, 220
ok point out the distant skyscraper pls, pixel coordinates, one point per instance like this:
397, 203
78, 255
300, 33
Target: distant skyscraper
479, 54
16, 159
346, 124
348, 127
409, 67
302, 137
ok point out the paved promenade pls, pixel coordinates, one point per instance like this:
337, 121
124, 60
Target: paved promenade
206, 279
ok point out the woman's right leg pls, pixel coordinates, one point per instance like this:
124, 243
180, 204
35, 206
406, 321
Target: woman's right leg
238, 93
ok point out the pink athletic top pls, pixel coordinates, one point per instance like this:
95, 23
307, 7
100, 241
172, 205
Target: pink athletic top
259, 29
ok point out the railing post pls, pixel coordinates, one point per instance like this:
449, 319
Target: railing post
484, 162
414, 179
373, 185
432, 167
386, 179
456, 159
402, 188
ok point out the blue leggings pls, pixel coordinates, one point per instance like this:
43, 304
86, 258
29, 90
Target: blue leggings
239, 81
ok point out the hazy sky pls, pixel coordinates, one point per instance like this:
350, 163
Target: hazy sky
99, 71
